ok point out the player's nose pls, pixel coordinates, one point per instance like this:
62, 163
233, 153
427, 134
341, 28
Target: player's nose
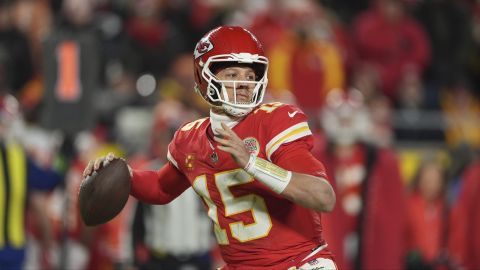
242, 85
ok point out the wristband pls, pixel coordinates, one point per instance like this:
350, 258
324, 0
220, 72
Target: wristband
268, 173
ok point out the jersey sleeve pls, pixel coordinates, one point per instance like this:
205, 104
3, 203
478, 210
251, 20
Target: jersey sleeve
183, 137
286, 124
287, 157
158, 187
173, 152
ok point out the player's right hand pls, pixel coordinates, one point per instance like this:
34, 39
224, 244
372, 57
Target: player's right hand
95, 165
231, 143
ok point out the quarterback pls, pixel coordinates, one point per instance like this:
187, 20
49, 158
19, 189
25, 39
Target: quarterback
249, 162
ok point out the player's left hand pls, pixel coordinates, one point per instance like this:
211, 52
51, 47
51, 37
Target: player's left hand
230, 142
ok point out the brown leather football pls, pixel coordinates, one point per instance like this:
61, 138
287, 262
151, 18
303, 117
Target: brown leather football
104, 193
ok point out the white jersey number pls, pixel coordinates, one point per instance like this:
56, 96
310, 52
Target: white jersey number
235, 205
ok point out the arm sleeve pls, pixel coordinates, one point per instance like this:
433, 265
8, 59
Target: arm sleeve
158, 187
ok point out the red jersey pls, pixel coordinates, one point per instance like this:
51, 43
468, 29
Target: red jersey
255, 227
425, 226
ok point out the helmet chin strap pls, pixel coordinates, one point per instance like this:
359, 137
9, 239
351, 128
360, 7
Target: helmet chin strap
234, 111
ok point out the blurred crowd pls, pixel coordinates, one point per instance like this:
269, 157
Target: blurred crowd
391, 88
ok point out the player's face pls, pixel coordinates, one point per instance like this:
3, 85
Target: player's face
239, 82
431, 181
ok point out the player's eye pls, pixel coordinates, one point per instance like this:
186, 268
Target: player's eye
251, 77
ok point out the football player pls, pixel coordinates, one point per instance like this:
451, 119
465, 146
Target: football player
249, 162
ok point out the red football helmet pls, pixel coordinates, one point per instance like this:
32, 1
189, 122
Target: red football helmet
223, 46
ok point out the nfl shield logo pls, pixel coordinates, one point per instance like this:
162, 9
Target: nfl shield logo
252, 145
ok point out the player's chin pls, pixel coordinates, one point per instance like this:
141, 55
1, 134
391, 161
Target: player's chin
241, 99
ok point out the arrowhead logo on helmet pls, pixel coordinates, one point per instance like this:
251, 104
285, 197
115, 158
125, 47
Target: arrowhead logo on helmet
202, 48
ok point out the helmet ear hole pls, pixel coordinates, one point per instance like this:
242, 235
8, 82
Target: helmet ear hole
217, 66
212, 93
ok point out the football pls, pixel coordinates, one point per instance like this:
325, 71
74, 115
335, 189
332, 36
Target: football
104, 193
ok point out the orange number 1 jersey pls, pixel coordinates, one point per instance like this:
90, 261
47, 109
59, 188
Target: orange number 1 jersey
254, 226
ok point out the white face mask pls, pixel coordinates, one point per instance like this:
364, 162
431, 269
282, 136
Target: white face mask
217, 92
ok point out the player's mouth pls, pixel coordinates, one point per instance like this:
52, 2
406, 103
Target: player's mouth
243, 98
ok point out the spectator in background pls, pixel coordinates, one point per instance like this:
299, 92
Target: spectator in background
380, 110
156, 40
365, 230
415, 120
80, 247
347, 11
392, 42
464, 237
272, 23
308, 61
365, 79
106, 244
42, 146
193, 18
461, 110
34, 19
427, 220
411, 94
177, 85
15, 52
118, 70
448, 26
20, 176
163, 237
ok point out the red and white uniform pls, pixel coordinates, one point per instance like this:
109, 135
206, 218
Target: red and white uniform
255, 227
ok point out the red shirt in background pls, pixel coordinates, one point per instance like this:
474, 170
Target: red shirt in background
392, 48
425, 226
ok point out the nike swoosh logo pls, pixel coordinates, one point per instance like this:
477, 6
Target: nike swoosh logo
292, 114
